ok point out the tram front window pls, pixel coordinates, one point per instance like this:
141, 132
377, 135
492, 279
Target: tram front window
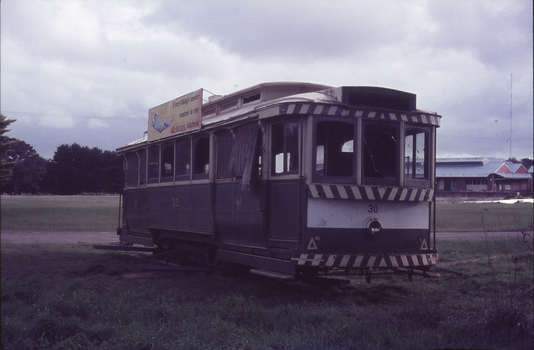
380, 153
417, 156
334, 147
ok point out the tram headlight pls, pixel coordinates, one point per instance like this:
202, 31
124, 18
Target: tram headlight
374, 227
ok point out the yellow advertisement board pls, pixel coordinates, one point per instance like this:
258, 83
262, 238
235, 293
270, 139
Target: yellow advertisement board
177, 116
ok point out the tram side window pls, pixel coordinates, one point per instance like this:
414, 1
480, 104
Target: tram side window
285, 148
167, 162
183, 159
238, 154
201, 156
334, 149
246, 155
131, 170
416, 157
153, 164
225, 142
243, 151
380, 153
142, 166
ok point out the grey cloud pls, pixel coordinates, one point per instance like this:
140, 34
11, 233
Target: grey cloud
112, 61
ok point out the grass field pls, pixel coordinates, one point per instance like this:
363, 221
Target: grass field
60, 213
73, 297
100, 213
484, 217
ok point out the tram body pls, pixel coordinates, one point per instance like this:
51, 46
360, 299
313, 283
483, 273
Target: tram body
290, 179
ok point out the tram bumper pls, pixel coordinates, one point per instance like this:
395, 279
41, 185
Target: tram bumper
367, 261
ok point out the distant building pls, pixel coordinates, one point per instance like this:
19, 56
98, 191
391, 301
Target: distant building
482, 174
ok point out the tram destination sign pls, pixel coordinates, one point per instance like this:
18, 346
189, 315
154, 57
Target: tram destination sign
176, 116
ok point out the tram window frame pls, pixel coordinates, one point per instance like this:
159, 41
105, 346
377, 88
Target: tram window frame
201, 157
142, 166
225, 143
411, 177
380, 155
167, 162
244, 149
252, 98
238, 153
153, 164
182, 156
131, 171
330, 134
285, 143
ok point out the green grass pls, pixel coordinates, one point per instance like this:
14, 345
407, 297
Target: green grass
59, 213
484, 217
73, 297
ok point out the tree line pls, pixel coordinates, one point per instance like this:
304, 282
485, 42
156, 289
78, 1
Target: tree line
74, 169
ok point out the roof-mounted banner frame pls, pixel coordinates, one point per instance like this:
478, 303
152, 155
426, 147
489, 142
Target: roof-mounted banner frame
176, 116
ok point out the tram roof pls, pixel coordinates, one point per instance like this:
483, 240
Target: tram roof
263, 100
228, 107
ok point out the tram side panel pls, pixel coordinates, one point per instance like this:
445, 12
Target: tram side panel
154, 207
224, 213
135, 209
239, 215
183, 208
173, 209
248, 215
176, 208
284, 212
135, 217
202, 200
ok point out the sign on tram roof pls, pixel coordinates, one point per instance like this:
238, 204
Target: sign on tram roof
176, 116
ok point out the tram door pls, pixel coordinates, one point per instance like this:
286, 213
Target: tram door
239, 215
284, 189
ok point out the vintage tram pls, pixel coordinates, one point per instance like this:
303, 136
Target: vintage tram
287, 179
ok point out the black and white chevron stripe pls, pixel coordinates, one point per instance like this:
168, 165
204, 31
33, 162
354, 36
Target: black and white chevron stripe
366, 260
372, 193
419, 117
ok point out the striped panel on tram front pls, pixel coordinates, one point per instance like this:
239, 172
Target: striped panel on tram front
366, 260
342, 111
370, 193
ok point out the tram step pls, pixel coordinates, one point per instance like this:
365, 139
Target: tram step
124, 248
272, 274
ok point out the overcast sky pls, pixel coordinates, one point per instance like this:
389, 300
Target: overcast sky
88, 71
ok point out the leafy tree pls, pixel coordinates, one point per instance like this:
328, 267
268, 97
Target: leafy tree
527, 162
6, 143
75, 169
110, 176
29, 168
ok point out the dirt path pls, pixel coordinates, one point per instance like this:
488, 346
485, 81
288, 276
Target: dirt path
111, 237
481, 235
59, 237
